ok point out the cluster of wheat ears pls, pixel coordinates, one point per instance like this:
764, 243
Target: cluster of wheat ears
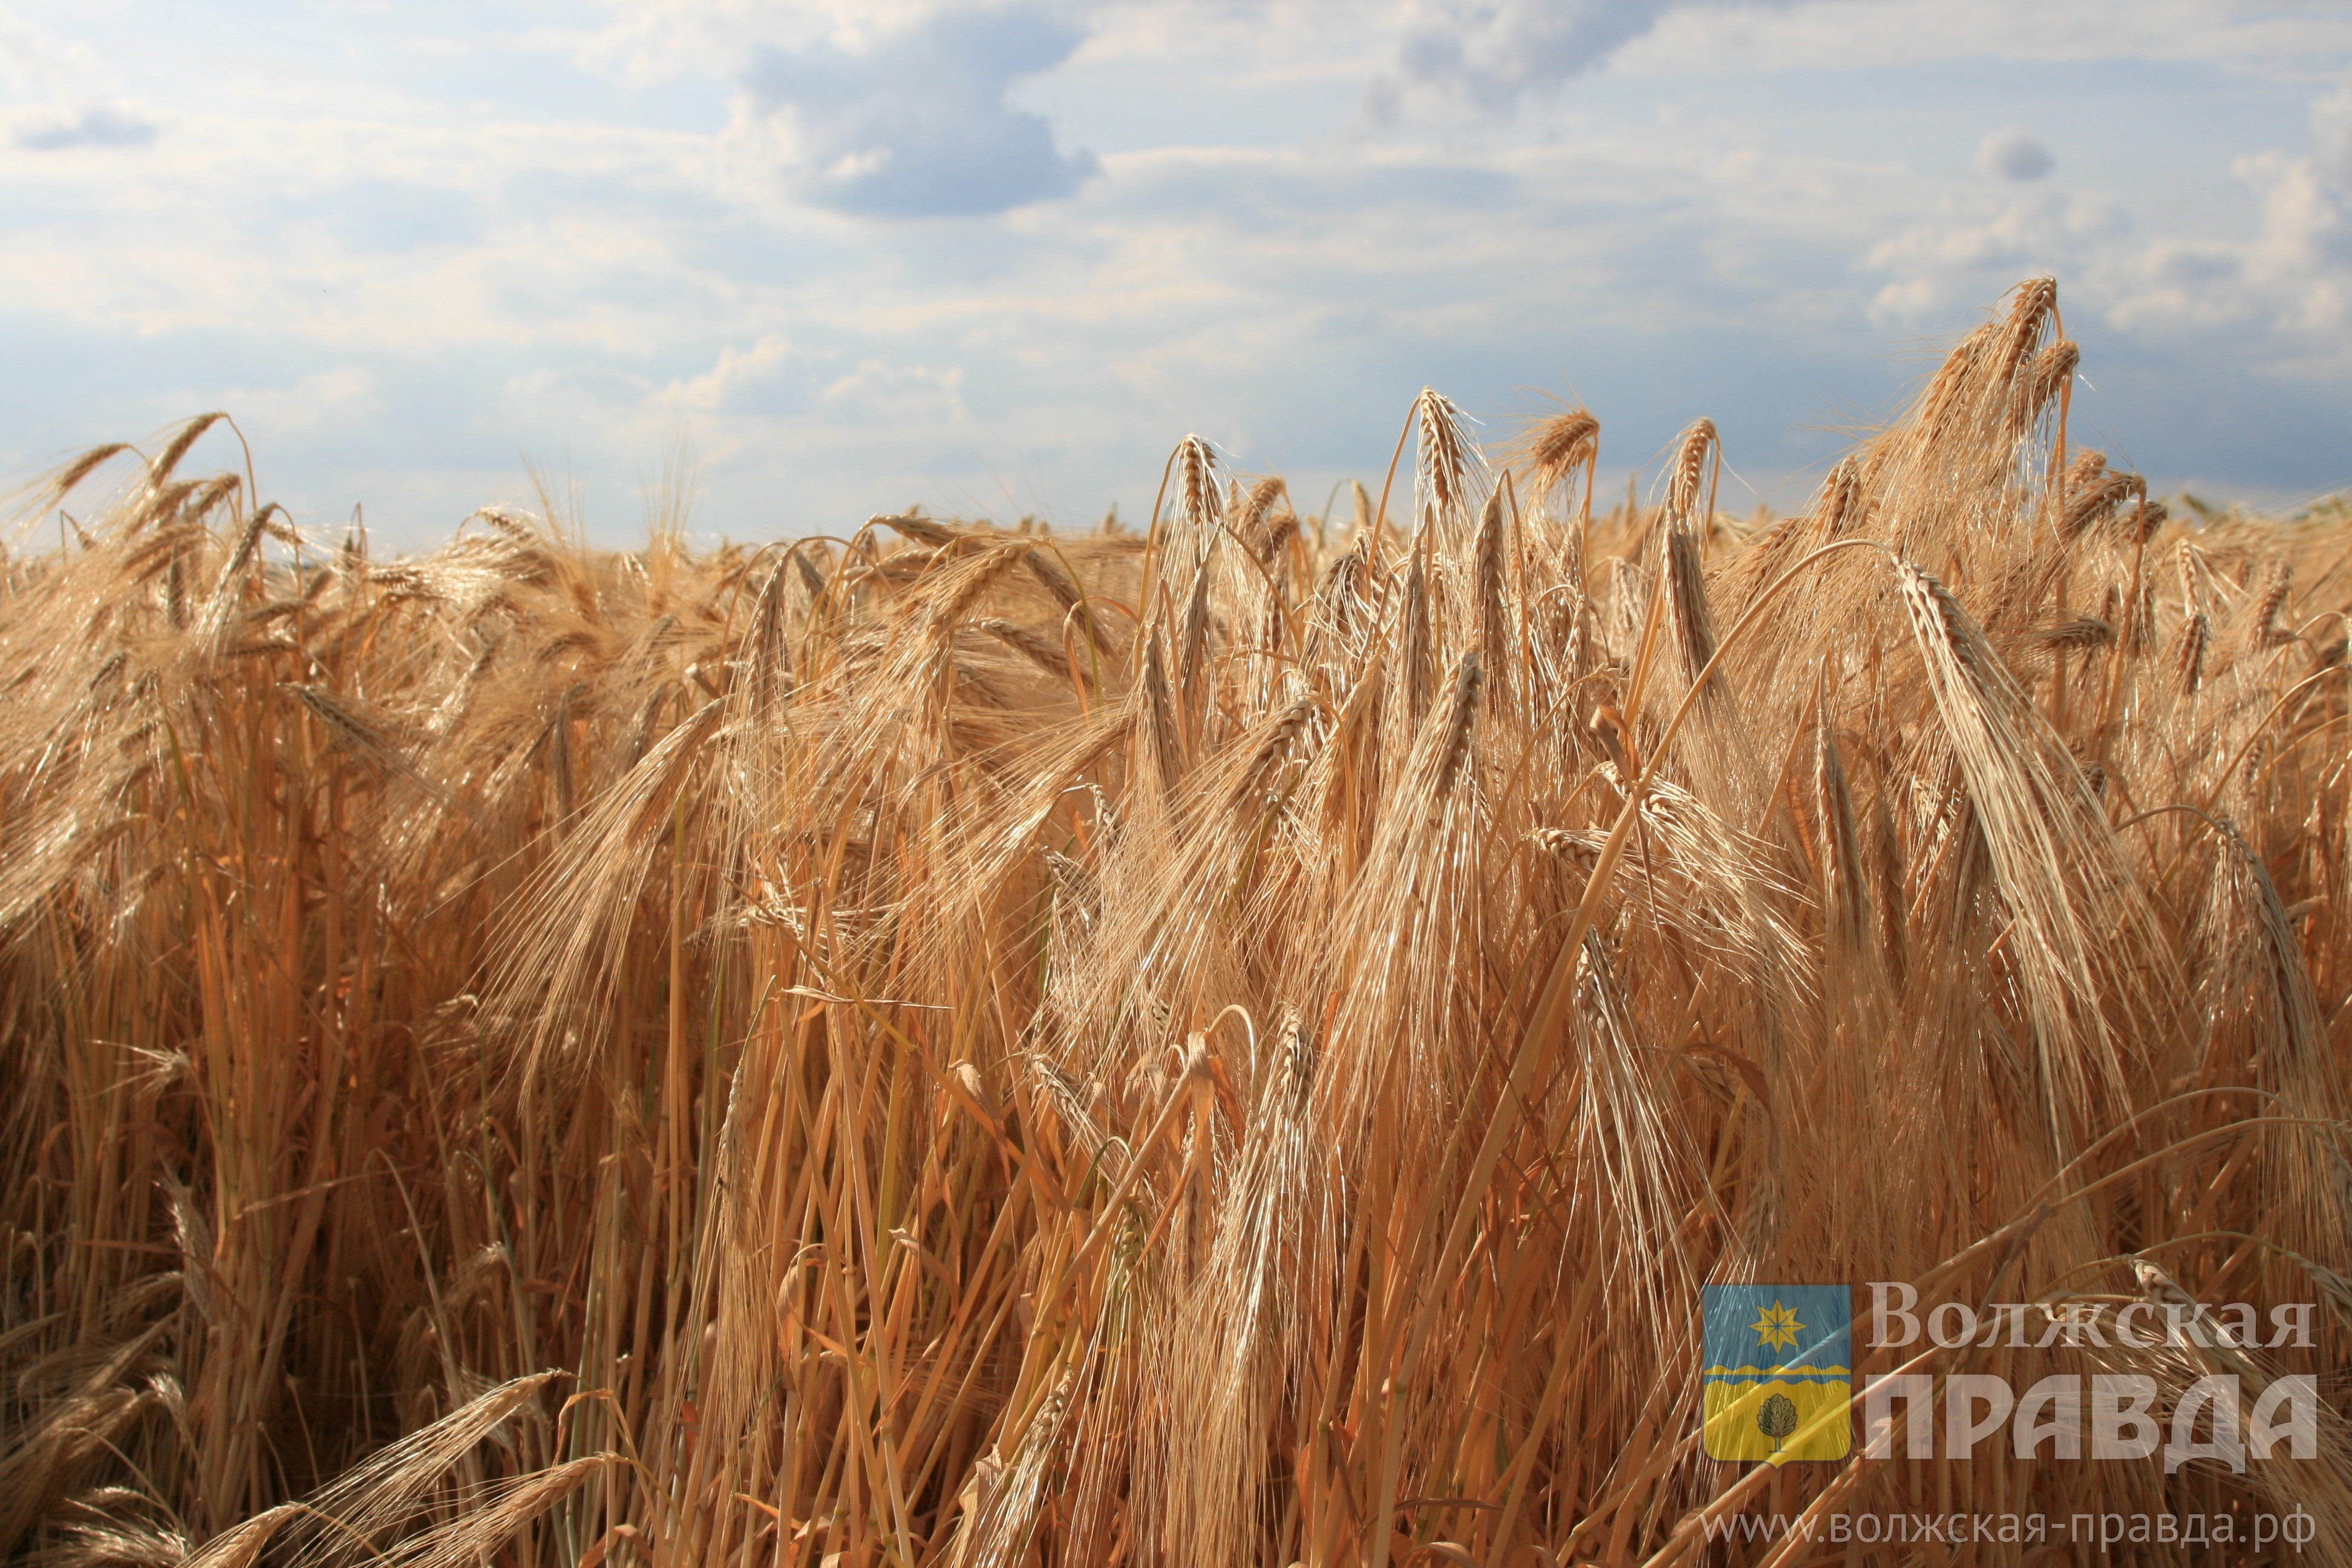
1233, 1043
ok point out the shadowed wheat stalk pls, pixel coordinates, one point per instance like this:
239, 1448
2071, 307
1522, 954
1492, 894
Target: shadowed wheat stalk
984, 1047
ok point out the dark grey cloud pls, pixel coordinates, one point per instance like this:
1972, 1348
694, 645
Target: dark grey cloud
2014, 154
100, 125
918, 126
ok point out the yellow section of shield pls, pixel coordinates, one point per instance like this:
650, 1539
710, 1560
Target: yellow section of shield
1744, 1423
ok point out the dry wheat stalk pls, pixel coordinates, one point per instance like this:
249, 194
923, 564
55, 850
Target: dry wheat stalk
988, 1046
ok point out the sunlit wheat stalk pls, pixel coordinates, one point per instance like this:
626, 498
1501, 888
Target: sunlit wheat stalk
956, 1044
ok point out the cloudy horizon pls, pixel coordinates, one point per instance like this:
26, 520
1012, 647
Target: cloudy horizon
996, 258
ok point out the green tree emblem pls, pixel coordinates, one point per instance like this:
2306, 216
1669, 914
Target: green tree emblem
1776, 1418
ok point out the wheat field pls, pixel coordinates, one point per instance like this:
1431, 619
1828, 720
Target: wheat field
1237, 1041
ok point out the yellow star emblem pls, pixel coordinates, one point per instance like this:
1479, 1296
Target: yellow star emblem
1777, 1326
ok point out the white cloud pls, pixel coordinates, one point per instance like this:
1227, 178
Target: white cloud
2331, 132
736, 369
652, 41
918, 395
2302, 261
330, 399
65, 78
100, 125
2275, 294
34, 60
2273, 36
851, 246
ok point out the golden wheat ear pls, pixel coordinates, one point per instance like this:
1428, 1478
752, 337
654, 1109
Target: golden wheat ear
1238, 1041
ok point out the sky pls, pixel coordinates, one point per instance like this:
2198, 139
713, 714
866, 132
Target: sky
813, 261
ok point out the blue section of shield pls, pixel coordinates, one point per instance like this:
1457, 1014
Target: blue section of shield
1790, 1333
